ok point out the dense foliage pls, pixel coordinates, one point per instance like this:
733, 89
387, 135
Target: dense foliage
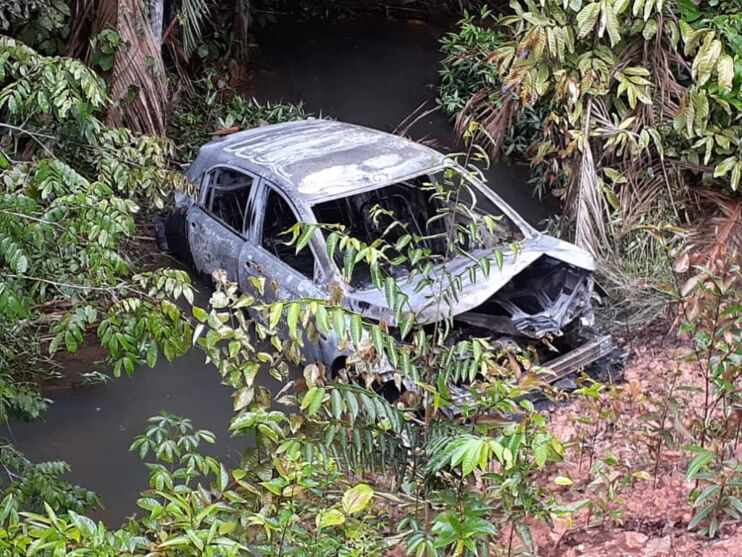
460, 478
640, 115
448, 457
347, 472
38, 23
71, 194
214, 108
568, 56
468, 77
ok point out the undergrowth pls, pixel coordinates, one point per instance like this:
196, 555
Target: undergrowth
214, 109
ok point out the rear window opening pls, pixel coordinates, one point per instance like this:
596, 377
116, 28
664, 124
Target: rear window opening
227, 197
422, 207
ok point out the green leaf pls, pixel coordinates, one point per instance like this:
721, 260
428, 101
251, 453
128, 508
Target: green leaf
724, 166
408, 320
332, 242
541, 454
152, 354
330, 518
641, 475
306, 235
484, 264
725, 69
699, 516
83, 523
258, 283
637, 7
312, 400
275, 315
391, 293
352, 404
736, 174
377, 337
701, 460
650, 29
524, 533
226, 528
243, 398
563, 480
274, 486
336, 403
323, 323
357, 498
292, 318
706, 60
70, 342
356, 328
499, 258
338, 322
586, 19
472, 456
611, 24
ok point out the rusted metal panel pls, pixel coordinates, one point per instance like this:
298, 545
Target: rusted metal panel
314, 160
579, 358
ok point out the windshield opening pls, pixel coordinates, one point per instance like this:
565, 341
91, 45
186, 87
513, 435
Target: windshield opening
441, 213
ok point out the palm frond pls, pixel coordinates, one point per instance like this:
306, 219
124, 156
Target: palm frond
720, 234
192, 15
586, 200
713, 245
651, 189
492, 120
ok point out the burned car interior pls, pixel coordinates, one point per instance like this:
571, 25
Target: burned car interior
423, 207
227, 196
279, 217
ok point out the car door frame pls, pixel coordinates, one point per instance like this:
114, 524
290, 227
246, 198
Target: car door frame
318, 286
255, 236
200, 205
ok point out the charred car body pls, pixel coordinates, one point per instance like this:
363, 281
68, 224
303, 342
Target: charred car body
253, 185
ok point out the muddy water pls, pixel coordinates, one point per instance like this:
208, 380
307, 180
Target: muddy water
92, 428
373, 73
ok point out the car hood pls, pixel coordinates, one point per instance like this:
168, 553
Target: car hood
471, 294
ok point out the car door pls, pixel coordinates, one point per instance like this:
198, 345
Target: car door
266, 255
217, 228
285, 274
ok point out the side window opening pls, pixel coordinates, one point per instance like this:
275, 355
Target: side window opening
227, 197
279, 217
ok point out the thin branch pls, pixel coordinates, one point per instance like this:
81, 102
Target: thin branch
33, 135
120, 286
29, 217
65, 284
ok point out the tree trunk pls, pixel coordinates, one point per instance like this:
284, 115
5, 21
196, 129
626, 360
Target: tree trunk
138, 81
156, 17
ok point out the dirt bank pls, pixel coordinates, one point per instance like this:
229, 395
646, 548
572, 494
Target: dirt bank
640, 503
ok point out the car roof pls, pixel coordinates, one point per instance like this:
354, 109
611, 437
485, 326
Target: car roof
315, 160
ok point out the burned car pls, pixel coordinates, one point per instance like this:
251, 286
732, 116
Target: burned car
252, 186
